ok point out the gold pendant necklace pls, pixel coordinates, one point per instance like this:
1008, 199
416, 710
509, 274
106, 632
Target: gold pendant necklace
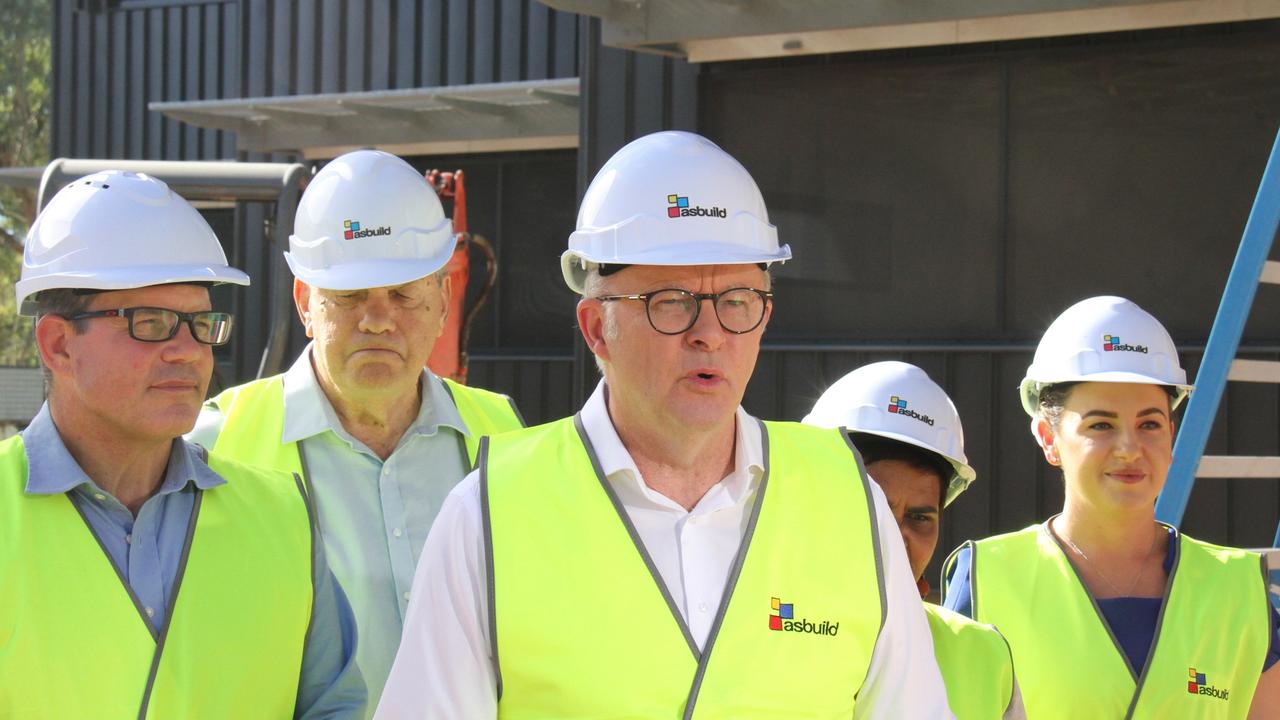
1137, 578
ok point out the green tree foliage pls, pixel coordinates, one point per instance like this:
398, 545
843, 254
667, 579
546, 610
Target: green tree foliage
25, 77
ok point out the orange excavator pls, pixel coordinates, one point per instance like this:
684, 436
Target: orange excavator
449, 357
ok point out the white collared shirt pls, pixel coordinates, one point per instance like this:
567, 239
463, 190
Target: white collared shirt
444, 668
374, 515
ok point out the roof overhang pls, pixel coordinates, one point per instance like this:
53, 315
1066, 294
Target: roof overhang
528, 115
714, 30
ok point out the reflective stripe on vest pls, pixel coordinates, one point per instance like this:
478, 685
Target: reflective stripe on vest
73, 639
1211, 636
583, 626
253, 422
975, 664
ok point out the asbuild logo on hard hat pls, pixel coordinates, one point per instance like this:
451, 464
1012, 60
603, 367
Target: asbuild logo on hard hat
1111, 343
1197, 685
351, 230
679, 207
898, 406
783, 618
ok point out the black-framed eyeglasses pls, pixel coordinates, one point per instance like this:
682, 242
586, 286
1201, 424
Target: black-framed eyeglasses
152, 324
673, 311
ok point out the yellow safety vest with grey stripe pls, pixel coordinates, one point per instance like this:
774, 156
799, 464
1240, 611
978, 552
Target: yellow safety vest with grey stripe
1211, 638
253, 422
74, 642
975, 663
582, 625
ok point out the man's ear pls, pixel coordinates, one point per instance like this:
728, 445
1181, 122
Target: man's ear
1047, 439
302, 302
446, 291
53, 334
591, 322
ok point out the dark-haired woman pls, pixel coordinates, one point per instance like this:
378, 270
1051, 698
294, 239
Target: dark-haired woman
1108, 612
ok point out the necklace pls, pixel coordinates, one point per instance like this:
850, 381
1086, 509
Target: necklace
1115, 588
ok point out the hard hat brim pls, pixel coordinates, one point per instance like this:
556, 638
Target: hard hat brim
963, 474
370, 273
124, 278
1030, 388
574, 264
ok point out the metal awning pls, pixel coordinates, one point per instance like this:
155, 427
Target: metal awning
713, 30
528, 115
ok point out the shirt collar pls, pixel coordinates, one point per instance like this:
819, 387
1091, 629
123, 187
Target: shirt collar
52, 470
616, 462
308, 412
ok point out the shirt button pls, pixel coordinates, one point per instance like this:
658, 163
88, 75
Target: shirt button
128, 539
397, 532
386, 471
702, 607
99, 496
406, 597
150, 612
693, 520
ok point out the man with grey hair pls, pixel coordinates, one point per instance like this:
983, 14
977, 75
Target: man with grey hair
662, 553
379, 439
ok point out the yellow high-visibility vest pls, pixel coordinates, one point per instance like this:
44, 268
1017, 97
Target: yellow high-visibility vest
75, 644
975, 663
1210, 643
584, 628
253, 421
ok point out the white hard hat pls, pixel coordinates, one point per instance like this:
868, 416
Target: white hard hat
115, 230
1104, 339
898, 401
368, 219
671, 198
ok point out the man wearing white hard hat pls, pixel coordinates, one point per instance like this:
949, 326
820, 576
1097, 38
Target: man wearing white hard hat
662, 553
141, 576
912, 443
379, 439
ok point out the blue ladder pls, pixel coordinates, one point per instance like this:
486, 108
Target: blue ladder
1220, 364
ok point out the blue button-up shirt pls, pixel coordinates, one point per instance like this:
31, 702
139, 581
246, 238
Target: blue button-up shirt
374, 515
146, 552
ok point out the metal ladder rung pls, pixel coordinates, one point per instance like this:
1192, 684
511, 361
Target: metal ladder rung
1260, 371
1238, 466
1270, 273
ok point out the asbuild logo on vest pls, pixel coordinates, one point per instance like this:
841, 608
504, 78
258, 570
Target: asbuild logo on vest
783, 618
1197, 685
680, 208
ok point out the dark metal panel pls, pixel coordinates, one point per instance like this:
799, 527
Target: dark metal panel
191, 90
484, 41
356, 73
458, 59
408, 44
63, 71
101, 92
156, 63
537, 61
284, 57
380, 46
173, 61
510, 40
136, 113
210, 70
331, 47
434, 44
564, 45
82, 82
120, 72
306, 51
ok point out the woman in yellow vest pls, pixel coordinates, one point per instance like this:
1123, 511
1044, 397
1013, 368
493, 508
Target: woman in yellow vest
1110, 613
912, 444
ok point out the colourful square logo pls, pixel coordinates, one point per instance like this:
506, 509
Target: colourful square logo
786, 612
1193, 688
781, 611
1109, 342
897, 404
775, 622
677, 202
350, 228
